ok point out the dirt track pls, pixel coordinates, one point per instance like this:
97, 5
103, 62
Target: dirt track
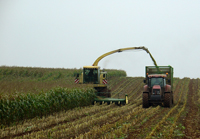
192, 119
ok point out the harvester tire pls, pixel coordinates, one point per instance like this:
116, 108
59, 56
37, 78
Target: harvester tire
167, 100
145, 100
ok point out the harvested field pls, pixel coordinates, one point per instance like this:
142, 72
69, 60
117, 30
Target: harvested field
125, 121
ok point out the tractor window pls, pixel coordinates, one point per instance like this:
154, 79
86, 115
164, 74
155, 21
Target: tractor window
157, 81
90, 75
164, 82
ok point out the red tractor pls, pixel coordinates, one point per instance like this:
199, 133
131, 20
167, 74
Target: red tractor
159, 86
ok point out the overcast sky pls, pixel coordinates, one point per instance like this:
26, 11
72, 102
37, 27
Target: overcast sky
74, 33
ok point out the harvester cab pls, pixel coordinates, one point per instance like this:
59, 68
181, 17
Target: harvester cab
90, 75
93, 77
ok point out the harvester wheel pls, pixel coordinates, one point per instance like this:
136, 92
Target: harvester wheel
145, 100
167, 100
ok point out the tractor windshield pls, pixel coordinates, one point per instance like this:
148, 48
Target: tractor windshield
157, 81
90, 75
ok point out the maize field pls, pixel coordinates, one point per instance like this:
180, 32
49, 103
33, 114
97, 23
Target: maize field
47, 115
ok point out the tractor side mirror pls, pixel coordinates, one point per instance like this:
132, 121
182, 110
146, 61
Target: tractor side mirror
104, 75
144, 81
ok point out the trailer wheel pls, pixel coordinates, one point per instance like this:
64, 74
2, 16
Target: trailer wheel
167, 100
145, 100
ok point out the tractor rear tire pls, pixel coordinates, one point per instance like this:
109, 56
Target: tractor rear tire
145, 100
167, 100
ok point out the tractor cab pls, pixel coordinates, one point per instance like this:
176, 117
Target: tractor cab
157, 83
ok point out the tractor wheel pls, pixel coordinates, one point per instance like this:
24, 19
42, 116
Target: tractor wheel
145, 100
167, 100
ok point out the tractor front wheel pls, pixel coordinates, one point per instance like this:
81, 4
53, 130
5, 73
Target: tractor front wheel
145, 100
167, 100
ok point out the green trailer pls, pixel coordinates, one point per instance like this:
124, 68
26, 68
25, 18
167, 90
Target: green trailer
158, 87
